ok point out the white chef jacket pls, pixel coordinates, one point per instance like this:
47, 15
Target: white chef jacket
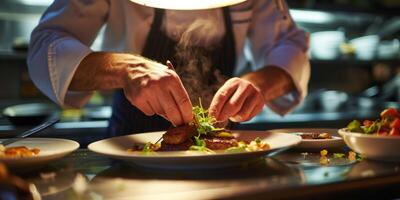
68, 28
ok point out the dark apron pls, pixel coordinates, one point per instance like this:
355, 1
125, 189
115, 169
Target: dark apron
127, 119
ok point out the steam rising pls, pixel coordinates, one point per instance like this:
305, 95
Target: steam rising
195, 69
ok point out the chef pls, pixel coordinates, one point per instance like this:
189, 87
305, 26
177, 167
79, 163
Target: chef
236, 58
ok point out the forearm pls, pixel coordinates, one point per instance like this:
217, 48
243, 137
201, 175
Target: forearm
271, 81
100, 71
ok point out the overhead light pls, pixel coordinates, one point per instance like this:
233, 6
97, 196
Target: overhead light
187, 4
308, 16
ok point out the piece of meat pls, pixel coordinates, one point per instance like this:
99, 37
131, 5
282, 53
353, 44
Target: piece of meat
176, 147
219, 143
316, 136
178, 135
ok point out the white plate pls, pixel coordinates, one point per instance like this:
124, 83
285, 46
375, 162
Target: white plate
117, 148
50, 149
315, 144
376, 147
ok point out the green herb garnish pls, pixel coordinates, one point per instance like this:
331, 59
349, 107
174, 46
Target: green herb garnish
339, 155
147, 148
204, 123
200, 145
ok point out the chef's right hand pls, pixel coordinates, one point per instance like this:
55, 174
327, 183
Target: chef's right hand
150, 86
155, 89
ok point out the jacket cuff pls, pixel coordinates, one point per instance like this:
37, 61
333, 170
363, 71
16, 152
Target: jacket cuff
64, 57
290, 59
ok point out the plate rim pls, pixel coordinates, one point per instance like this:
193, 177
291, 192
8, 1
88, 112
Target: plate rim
313, 144
344, 131
75, 143
338, 137
91, 148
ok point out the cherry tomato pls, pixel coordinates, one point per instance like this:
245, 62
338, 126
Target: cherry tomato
383, 131
395, 124
390, 112
367, 123
394, 132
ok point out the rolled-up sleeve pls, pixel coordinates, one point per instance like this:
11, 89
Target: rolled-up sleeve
60, 42
275, 40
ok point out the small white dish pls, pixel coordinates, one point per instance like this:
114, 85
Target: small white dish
50, 149
375, 147
117, 148
315, 144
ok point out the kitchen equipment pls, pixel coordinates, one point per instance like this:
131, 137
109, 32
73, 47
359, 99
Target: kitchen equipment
187, 4
30, 132
389, 49
325, 45
333, 100
30, 114
365, 46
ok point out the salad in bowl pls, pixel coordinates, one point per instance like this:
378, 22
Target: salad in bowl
375, 139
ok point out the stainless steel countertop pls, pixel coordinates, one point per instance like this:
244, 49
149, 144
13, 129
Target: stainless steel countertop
86, 175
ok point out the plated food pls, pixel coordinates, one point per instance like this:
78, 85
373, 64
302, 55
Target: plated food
31, 153
200, 135
196, 145
315, 139
316, 135
18, 151
375, 139
116, 148
387, 125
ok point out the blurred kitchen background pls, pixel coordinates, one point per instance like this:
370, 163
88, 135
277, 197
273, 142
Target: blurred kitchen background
355, 62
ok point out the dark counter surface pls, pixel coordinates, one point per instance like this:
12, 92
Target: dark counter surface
85, 175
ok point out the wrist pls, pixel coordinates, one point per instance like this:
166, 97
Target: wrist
271, 81
100, 71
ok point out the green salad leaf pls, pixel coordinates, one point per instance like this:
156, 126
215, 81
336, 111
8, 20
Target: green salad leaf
373, 128
355, 126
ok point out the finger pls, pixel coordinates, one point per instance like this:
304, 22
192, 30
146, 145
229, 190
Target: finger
145, 107
256, 110
234, 104
249, 105
220, 98
156, 106
170, 108
183, 102
139, 103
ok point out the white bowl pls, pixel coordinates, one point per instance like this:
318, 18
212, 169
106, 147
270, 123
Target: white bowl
375, 147
325, 44
366, 46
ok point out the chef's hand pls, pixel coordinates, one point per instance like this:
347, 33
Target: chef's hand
150, 86
238, 100
156, 89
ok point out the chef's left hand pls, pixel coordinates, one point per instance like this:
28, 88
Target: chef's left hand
238, 100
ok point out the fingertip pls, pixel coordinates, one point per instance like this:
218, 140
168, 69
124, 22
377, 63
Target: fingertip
236, 118
213, 112
188, 118
221, 118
